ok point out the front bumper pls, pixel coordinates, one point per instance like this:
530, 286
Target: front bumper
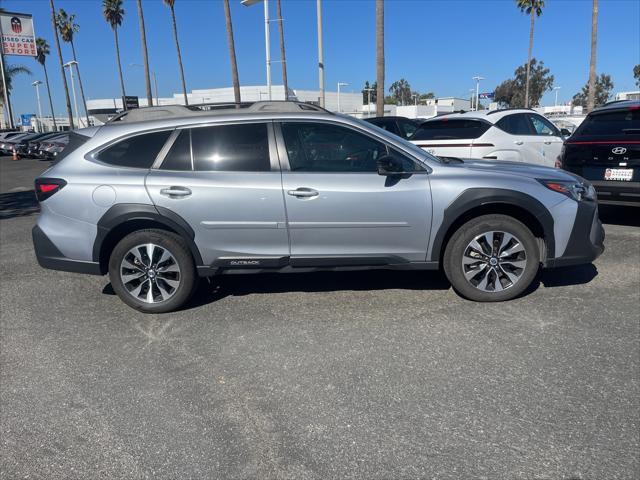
49, 256
586, 242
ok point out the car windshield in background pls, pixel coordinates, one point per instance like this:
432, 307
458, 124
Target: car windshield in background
450, 129
419, 152
620, 123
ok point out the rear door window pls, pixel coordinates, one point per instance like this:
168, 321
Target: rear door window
407, 128
139, 151
542, 126
179, 155
387, 124
516, 124
621, 124
451, 129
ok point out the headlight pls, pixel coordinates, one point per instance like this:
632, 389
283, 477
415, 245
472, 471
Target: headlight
572, 189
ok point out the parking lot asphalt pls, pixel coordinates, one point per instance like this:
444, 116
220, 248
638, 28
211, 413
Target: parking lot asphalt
373, 375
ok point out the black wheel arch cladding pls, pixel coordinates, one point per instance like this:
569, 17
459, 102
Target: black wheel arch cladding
493, 197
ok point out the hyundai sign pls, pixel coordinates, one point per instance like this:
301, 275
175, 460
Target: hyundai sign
486, 95
18, 37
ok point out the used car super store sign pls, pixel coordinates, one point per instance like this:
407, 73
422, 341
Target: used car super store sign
18, 37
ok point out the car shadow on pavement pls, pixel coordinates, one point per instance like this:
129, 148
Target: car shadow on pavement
566, 276
217, 288
619, 215
18, 204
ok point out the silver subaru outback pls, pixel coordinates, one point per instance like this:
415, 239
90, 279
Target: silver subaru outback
288, 187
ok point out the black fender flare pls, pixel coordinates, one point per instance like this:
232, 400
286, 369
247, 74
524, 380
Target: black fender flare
126, 212
478, 197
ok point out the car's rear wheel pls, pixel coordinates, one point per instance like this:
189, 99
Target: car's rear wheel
492, 258
152, 271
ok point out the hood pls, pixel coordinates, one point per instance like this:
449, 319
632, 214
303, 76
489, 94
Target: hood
528, 170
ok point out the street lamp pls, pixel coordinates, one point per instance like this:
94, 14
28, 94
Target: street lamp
155, 81
267, 42
556, 89
36, 84
477, 78
369, 90
73, 87
472, 91
340, 84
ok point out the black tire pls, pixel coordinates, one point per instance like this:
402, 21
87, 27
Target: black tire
459, 244
186, 277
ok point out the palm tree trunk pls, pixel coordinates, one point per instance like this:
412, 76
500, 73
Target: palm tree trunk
591, 96
175, 37
64, 77
526, 88
115, 34
283, 58
46, 81
380, 57
145, 54
232, 54
84, 101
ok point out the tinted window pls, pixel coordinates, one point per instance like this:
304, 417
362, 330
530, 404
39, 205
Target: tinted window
231, 148
328, 148
408, 164
517, 124
407, 128
621, 123
387, 124
136, 152
542, 126
179, 155
447, 129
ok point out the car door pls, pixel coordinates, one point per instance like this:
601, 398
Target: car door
550, 136
340, 211
224, 181
522, 142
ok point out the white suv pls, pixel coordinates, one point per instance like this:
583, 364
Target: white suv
519, 135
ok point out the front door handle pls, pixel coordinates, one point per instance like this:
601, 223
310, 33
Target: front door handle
175, 192
518, 142
303, 192
547, 142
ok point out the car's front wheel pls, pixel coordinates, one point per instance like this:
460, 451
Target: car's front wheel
492, 258
152, 271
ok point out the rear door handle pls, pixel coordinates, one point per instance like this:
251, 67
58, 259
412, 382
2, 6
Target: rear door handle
518, 142
175, 192
547, 142
303, 192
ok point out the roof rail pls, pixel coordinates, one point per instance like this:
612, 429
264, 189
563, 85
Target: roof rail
506, 109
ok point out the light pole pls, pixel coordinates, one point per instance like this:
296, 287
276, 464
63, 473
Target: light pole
472, 92
415, 98
556, 89
73, 87
368, 90
320, 52
340, 84
477, 78
155, 81
36, 84
267, 41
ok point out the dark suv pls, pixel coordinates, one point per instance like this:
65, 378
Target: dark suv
605, 149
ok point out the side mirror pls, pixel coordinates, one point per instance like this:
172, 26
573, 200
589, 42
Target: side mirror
388, 165
565, 132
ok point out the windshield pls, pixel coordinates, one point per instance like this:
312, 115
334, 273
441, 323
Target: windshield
417, 151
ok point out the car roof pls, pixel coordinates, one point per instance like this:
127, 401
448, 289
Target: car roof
491, 116
618, 105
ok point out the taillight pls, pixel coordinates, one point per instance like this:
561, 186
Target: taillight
45, 187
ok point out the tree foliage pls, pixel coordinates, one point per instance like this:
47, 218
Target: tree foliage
373, 92
511, 92
10, 72
66, 25
636, 74
113, 12
400, 90
526, 6
42, 50
604, 85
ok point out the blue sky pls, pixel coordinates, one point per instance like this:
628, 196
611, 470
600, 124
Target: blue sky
437, 45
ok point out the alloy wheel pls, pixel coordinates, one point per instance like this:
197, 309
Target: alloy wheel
150, 273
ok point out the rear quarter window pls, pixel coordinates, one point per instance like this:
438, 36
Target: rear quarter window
447, 129
138, 151
620, 124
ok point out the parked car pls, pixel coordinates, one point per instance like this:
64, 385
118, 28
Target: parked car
605, 149
401, 126
51, 147
518, 135
155, 204
6, 145
34, 145
21, 146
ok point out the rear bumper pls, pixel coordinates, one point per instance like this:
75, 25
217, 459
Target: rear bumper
586, 242
49, 256
618, 193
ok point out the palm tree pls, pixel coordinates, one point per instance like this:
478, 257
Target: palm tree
170, 4
64, 77
67, 28
532, 8
232, 54
380, 57
283, 58
10, 71
592, 64
145, 54
114, 13
42, 50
